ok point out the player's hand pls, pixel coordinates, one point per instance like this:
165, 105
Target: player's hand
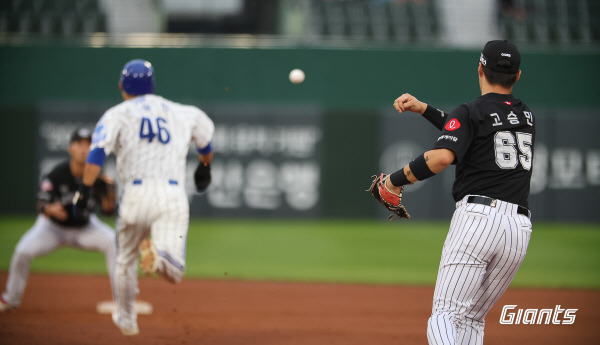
56, 210
80, 200
408, 102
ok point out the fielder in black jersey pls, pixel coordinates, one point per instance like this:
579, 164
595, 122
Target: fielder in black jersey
57, 226
491, 141
59, 187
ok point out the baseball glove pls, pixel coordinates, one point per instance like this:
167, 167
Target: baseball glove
387, 198
106, 191
104, 187
202, 177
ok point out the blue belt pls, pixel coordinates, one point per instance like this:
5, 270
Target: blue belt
139, 181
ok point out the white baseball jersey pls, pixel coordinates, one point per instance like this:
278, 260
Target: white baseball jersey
150, 137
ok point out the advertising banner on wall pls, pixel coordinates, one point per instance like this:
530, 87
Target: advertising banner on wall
566, 166
56, 122
267, 163
269, 160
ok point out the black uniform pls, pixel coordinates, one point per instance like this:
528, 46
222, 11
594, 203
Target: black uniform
492, 138
61, 185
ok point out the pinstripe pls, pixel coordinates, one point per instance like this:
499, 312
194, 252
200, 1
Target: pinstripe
150, 137
454, 261
449, 276
472, 285
44, 237
482, 253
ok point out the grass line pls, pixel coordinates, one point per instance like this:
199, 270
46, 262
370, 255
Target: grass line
351, 251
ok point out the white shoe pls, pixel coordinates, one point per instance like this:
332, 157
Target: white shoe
149, 260
4, 306
128, 330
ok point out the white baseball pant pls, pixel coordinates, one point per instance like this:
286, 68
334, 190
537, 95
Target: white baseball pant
482, 253
44, 237
156, 208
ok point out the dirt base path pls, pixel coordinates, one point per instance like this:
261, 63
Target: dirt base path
60, 309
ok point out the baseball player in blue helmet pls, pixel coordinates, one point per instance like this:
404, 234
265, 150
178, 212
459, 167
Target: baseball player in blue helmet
150, 135
137, 78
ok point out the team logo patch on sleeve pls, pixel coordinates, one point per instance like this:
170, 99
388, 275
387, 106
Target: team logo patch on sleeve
452, 125
46, 185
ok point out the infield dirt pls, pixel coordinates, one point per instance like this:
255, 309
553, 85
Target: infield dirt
60, 309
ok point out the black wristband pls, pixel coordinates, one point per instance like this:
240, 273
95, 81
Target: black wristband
398, 178
435, 116
84, 189
420, 169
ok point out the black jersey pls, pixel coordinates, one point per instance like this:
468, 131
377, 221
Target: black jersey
61, 185
492, 138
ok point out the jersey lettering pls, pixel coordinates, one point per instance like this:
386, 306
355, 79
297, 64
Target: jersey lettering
512, 118
528, 117
505, 149
496, 118
524, 141
147, 130
98, 136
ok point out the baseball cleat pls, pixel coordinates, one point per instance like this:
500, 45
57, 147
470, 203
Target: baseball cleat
4, 306
128, 330
149, 260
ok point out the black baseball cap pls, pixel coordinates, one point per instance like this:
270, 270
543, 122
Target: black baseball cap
501, 56
80, 134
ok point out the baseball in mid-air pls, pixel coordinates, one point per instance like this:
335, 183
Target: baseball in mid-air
297, 76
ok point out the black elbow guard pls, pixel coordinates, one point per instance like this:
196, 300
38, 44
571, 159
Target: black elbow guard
420, 169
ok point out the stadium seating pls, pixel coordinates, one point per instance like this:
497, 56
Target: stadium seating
52, 17
385, 21
551, 21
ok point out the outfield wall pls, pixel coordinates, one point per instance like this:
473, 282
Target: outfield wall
303, 150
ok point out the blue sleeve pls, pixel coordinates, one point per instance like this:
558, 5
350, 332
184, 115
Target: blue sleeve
96, 156
206, 150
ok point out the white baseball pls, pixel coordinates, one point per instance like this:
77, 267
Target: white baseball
297, 76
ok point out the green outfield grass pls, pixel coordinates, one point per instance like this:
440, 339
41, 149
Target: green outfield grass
352, 251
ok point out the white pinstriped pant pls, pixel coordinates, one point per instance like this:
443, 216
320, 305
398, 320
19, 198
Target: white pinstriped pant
159, 209
44, 237
482, 253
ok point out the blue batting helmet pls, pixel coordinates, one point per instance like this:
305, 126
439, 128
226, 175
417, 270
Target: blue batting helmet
137, 77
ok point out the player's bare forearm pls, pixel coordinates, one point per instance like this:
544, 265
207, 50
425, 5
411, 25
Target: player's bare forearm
205, 158
90, 174
439, 159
